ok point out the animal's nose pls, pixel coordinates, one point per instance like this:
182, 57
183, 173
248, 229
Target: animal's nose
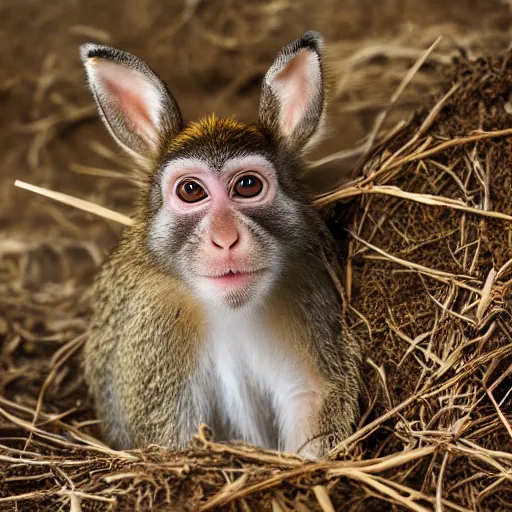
225, 237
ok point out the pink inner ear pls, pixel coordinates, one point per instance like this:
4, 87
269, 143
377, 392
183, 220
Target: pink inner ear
134, 96
295, 86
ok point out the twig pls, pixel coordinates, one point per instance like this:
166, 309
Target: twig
81, 204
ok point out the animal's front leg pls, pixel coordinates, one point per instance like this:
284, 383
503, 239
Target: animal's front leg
313, 422
299, 424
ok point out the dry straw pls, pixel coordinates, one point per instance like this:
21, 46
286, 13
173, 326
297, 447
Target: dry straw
437, 434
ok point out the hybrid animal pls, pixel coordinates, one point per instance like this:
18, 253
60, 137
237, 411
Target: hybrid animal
218, 306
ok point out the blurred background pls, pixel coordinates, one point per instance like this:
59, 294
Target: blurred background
213, 54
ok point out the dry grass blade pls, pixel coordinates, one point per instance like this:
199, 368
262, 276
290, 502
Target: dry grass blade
446, 145
398, 459
370, 427
502, 416
71, 347
227, 491
81, 204
486, 297
387, 491
427, 199
439, 489
75, 504
413, 266
391, 164
102, 173
323, 498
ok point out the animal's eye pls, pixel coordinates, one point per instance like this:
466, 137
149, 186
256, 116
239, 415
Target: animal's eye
191, 191
248, 186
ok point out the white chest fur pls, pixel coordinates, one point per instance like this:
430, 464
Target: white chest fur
256, 385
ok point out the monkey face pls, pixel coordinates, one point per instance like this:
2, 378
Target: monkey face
224, 206
223, 220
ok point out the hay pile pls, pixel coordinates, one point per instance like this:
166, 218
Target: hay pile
429, 285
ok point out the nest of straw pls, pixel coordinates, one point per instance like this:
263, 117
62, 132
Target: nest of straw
425, 232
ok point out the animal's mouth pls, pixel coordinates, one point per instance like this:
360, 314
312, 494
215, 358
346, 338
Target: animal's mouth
231, 279
234, 272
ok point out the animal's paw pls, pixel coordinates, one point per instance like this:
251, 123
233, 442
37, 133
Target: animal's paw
312, 451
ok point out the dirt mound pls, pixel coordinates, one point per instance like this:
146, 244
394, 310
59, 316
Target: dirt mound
430, 271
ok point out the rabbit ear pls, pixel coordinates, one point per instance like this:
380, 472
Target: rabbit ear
134, 103
292, 96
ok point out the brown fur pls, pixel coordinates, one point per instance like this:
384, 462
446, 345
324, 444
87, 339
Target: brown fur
141, 345
149, 331
223, 130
